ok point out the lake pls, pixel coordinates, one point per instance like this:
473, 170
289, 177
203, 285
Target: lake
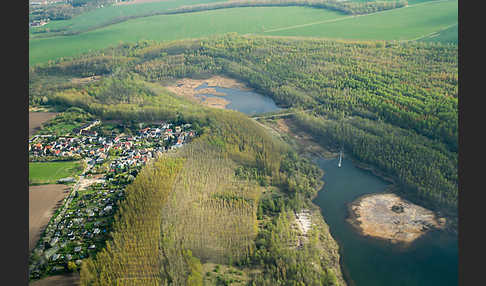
430, 260
244, 101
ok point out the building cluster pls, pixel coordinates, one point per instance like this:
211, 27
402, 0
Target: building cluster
81, 230
130, 150
83, 223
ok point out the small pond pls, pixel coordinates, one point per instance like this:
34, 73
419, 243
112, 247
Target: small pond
244, 101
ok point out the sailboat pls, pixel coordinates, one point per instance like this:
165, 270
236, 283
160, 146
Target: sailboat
340, 158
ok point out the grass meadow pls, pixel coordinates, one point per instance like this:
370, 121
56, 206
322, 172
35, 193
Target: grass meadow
50, 172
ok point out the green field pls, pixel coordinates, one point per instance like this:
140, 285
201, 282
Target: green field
50, 172
406, 23
448, 35
106, 15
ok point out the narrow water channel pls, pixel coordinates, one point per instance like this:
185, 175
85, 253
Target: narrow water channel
430, 260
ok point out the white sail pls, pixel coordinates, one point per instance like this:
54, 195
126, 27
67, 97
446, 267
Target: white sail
340, 158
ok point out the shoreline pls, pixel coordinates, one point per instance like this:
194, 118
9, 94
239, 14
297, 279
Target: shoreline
307, 146
430, 221
185, 87
333, 256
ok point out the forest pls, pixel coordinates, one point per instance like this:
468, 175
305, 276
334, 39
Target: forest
196, 207
409, 89
65, 10
390, 105
347, 7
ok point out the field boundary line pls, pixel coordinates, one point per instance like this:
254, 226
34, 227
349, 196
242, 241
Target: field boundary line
429, 34
353, 16
308, 24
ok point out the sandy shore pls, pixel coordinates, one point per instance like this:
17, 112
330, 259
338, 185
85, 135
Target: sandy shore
185, 87
387, 216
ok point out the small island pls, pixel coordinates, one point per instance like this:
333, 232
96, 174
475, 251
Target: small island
389, 217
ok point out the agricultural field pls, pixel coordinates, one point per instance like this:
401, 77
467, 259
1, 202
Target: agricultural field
107, 15
51, 172
408, 23
37, 118
70, 279
43, 200
448, 34
63, 123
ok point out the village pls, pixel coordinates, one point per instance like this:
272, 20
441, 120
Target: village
127, 149
81, 226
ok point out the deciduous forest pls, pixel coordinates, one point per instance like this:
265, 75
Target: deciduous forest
390, 105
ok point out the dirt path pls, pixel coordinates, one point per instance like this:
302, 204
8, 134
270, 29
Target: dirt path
137, 2
43, 201
71, 279
37, 118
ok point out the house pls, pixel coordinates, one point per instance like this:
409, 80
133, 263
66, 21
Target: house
66, 180
54, 241
86, 127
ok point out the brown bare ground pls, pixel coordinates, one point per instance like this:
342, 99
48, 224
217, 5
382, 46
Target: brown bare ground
70, 279
210, 90
43, 201
215, 102
373, 215
81, 80
185, 87
303, 141
37, 118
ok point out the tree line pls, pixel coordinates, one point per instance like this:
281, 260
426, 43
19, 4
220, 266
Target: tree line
347, 7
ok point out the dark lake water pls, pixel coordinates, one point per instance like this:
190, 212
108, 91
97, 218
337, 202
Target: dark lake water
247, 102
431, 260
